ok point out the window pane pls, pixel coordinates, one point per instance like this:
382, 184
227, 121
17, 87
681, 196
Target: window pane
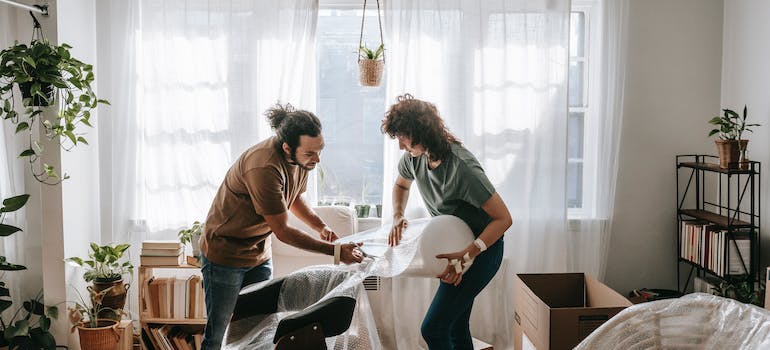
577, 34
575, 185
575, 135
352, 160
576, 84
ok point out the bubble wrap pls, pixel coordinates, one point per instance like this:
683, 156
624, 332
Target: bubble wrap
414, 256
694, 321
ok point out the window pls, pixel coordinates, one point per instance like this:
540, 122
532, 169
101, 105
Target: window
579, 139
351, 164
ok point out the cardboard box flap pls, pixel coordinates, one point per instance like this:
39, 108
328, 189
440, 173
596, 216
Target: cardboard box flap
599, 295
557, 291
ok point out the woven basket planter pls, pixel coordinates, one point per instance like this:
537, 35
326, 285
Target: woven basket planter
103, 337
371, 72
729, 152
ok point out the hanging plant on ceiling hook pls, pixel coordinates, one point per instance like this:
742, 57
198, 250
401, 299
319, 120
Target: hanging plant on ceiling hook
46, 74
371, 63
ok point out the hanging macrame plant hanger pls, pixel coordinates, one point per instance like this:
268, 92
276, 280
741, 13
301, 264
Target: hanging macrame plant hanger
371, 63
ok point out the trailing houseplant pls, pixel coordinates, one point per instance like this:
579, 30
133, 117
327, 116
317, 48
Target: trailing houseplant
105, 267
45, 74
729, 128
28, 328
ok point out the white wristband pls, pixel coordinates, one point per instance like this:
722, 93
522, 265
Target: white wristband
480, 244
337, 248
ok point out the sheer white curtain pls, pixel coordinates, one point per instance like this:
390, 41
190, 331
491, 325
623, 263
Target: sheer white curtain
12, 180
497, 71
190, 81
589, 236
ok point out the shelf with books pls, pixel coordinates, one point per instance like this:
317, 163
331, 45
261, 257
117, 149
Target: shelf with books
717, 219
171, 301
170, 305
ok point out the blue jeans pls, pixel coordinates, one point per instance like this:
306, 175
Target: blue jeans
447, 323
222, 284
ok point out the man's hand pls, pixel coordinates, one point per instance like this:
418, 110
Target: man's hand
399, 225
349, 253
328, 235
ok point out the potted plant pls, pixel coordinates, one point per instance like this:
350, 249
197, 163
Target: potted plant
28, 328
371, 63
192, 235
104, 268
729, 129
95, 332
45, 73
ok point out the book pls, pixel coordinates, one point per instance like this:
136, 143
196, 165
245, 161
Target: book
162, 252
161, 260
161, 244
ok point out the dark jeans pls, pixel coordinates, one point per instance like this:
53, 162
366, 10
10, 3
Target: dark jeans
222, 285
447, 323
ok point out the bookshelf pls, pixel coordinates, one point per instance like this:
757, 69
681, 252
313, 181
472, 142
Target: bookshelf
717, 221
147, 320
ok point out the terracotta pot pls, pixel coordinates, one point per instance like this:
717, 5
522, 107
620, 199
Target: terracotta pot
114, 299
103, 337
729, 152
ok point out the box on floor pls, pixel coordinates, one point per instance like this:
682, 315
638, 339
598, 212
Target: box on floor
557, 311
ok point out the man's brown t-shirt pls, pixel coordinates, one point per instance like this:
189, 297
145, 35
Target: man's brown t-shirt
261, 182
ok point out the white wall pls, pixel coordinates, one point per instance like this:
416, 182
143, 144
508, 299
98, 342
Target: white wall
80, 194
746, 81
673, 88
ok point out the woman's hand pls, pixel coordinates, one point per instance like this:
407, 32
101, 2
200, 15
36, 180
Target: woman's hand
399, 225
456, 266
328, 235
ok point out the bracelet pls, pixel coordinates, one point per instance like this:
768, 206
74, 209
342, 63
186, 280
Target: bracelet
480, 244
337, 248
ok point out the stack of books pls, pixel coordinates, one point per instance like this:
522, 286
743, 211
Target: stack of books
162, 253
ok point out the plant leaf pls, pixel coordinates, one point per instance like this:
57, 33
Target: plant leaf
22, 126
14, 203
7, 230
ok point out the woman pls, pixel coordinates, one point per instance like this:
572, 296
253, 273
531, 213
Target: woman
451, 182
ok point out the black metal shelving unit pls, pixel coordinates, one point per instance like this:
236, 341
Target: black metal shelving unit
734, 208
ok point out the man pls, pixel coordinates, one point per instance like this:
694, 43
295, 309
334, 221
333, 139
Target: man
251, 204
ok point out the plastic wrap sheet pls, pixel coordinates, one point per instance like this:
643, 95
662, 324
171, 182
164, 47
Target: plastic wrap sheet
694, 321
415, 256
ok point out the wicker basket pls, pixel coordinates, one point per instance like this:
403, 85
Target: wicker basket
371, 72
104, 337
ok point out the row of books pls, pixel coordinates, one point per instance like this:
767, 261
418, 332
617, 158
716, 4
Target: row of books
171, 337
171, 297
162, 253
706, 244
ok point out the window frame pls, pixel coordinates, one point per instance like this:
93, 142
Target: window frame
591, 50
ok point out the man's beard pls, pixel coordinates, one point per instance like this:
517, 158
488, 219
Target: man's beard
293, 160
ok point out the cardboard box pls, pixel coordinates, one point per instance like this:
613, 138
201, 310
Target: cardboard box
557, 311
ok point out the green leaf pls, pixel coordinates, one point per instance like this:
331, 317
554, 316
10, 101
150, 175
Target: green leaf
21, 328
29, 61
7, 230
27, 153
75, 260
34, 307
4, 292
82, 140
14, 203
5, 304
45, 323
22, 126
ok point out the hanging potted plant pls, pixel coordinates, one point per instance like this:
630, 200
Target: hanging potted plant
731, 148
106, 271
45, 74
371, 63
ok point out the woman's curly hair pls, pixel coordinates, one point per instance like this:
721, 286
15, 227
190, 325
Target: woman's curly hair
420, 121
